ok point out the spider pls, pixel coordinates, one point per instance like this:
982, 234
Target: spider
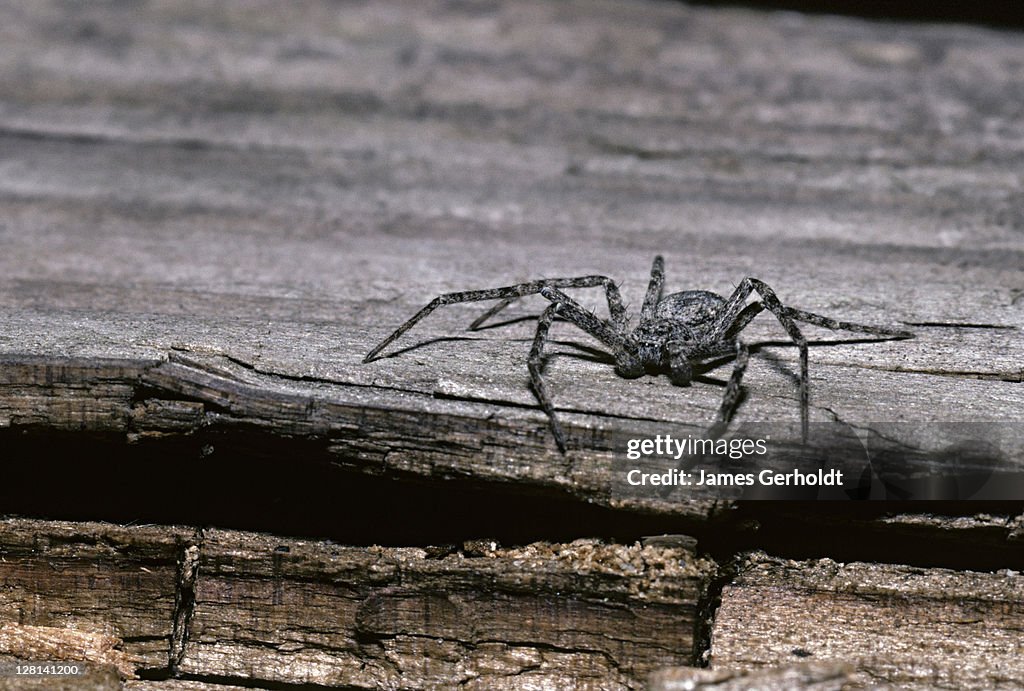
675, 332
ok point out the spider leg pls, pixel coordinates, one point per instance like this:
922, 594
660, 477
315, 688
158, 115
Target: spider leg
510, 293
679, 366
736, 311
755, 308
737, 314
535, 364
837, 325
564, 306
653, 289
616, 307
479, 321
743, 318
626, 362
732, 393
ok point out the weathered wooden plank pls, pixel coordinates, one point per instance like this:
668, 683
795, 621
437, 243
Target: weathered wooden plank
146, 201
582, 614
232, 607
369, 429
209, 214
88, 676
88, 591
909, 627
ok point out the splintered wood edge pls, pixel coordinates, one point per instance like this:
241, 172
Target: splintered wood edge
383, 432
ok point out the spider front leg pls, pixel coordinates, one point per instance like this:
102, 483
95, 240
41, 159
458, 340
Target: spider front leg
616, 308
507, 294
732, 393
566, 307
681, 372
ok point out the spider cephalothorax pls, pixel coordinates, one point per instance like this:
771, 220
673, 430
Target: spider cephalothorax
675, 332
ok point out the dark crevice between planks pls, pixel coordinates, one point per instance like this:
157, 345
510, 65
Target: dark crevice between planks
966, 535
250, 683
249, 480
707, 607
994, 13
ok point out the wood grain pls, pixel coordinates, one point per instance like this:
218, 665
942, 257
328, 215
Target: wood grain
86, 591
274, 190
896, 625
210, 213
813, 676
234, 607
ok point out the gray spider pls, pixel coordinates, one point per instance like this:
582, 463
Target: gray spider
675, 332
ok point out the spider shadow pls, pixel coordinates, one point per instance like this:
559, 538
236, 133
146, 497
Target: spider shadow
587, 353
579, 351
780, 365
507, 322
590, 354
421, 344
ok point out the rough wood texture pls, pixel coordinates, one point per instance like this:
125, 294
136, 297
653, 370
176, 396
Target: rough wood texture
55, 643
178, 685
94, 592
908, 627
210, 212
582, 615
812, 676
232, 204
238, 607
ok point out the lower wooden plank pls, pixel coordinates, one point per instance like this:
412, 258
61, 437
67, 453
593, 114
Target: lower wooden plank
239, 608
899, 625
89, 591
579, 615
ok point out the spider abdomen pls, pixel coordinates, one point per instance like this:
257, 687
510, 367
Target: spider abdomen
692, 307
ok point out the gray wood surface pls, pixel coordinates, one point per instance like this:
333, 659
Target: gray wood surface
262, 194
209, 213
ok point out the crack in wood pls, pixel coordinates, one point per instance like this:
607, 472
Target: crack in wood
962, 325
184, 601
